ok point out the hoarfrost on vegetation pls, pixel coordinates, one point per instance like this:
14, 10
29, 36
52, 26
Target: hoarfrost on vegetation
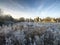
25, 33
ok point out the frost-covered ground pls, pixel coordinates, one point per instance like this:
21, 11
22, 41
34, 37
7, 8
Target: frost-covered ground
25, 33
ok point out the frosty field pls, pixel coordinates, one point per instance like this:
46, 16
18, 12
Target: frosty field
30, 33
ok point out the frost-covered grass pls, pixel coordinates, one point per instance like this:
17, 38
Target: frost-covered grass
30, 33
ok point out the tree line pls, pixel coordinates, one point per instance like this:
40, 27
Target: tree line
6, 19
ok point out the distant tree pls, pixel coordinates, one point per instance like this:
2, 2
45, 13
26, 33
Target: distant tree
27, 20
8, 18
1, 18
37, 19
57, 19
53, 20
47, 19
22, 19
15, 20
31, 20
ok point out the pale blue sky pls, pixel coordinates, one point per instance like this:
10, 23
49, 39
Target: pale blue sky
31, 8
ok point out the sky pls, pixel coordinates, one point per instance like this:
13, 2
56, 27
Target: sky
31, 8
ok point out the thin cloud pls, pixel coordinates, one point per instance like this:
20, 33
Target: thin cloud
25, 9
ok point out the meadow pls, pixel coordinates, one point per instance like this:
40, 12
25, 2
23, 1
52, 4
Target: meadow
30, 33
